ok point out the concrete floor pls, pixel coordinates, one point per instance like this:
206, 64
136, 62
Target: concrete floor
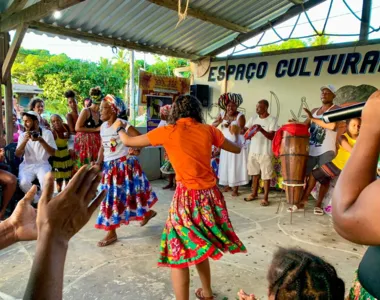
127, 269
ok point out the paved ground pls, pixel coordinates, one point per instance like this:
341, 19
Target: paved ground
127, 269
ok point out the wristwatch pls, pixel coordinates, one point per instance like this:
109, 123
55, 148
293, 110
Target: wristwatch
119, 128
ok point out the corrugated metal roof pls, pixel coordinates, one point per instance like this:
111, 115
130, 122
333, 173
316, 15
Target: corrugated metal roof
145, 23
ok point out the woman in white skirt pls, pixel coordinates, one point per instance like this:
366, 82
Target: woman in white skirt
232, 167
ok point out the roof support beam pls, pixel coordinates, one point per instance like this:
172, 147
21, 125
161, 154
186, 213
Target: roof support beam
292, 12
91, 37
198, 14
12, 52
296, 2
15, 7
36, 11
366, 20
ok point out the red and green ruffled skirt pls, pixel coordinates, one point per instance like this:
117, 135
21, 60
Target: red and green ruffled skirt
198, 227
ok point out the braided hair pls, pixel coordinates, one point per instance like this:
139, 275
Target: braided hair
186, 106
297, 275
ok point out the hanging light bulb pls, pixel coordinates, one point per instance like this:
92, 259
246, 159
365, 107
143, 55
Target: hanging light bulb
57, 14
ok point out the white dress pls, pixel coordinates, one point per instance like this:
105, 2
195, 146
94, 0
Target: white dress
233, 167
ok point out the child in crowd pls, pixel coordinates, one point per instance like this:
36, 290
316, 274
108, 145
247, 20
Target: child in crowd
215, 160
167, 167
330, 171
62, 162
198, 226
297, 274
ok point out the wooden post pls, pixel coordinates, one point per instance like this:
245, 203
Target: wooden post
132, 102
9, 111
8, 98
2, 57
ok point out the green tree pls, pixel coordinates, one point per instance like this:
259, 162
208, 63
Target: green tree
290, 44
57, 73
297, 43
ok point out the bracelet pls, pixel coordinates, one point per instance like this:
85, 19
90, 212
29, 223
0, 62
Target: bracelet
119, 129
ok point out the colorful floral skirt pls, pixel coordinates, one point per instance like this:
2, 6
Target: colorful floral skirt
129, 193
357, 292
198, 227
86, 147
167, 167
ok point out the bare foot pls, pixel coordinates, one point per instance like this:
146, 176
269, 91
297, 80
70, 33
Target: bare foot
110, 238
250, 198
264, 202
226, 189
173, 187
169, 186
235, 192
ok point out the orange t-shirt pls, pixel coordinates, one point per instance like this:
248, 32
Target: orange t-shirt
188, 145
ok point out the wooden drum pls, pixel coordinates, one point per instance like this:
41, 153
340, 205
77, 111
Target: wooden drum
294, 154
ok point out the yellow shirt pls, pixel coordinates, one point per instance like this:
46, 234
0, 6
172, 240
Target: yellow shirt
343, 155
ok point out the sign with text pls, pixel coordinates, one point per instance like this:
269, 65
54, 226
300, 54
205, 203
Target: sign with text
346, 63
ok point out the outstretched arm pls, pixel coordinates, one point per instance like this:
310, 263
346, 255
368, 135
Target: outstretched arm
356, 195
231, 147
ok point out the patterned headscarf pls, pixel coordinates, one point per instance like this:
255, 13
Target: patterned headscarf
225, 98
165, 110
117, 104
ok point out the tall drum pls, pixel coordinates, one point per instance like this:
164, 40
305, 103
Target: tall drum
294, 153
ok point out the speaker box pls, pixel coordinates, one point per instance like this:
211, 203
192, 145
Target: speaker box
201, 92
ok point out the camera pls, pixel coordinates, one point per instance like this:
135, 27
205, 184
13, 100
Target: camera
35, 134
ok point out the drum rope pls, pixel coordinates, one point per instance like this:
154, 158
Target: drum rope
293, 185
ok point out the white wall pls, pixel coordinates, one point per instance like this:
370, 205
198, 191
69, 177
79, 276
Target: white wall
290, 90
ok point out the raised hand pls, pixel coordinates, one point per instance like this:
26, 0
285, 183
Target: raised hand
23, 218
64, 215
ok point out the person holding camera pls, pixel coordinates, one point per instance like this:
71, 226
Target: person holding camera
36, 145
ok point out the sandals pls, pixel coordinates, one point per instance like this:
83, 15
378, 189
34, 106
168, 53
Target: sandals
318, 211
294, 209
148, 218
199, 295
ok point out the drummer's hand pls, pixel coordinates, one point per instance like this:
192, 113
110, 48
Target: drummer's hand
258, 127
292, 121
308, 112
371, 113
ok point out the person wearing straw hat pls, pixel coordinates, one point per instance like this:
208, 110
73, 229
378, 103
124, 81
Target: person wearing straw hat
232, 167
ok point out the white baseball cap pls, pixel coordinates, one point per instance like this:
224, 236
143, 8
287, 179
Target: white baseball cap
32, 113
330, 87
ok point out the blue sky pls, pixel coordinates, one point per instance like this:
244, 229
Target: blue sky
341, 21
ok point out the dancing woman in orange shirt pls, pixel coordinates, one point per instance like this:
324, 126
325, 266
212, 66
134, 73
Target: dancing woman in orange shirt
198, 226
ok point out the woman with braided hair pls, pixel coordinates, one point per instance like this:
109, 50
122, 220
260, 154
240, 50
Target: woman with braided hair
299, 275
232, 167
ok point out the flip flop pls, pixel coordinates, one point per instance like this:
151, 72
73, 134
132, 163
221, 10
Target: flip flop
107, 242
318, 211
294, 209
250, 198
199, 295
147, 219
264, 203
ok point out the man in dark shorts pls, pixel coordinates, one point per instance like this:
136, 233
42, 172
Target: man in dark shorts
322, 136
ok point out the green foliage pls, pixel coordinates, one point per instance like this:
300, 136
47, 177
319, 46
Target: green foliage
57, 73
290, 44
297, 43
